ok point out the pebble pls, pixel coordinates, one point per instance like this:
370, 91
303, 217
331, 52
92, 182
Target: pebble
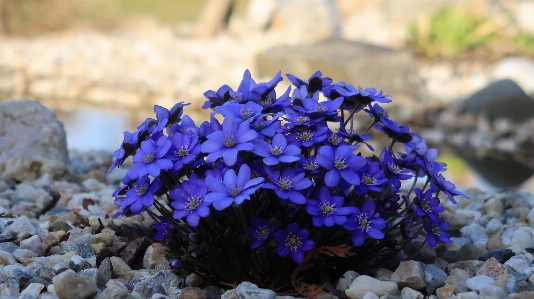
409, 274
479, 281
347, 279
70, 284
364, 284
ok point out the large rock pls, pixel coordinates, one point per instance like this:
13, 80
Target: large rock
32, 142
356, 63
519, 69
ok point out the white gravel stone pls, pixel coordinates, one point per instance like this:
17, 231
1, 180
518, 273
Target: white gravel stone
364, 284
478, 282
69, 284
519, 263
34, 289
493, 226
407, 293
370, 295
347, 279
523, 238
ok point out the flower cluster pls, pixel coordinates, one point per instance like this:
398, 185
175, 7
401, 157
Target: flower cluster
279, 176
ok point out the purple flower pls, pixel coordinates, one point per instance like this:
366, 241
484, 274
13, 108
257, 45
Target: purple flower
164, 228
276, 152
226, 143
150, 158
240, 112
293, 241
142, 195
354, 137
260, 231
372, 179
234, 188
396, 173
328, 210
342, 163
176, 263
364, 224
223, 95
189, 200
128, 148
380, 115
363, 96
308, 136
266, 127
427, 205
185, 149
288, 184
315, 82
435, 233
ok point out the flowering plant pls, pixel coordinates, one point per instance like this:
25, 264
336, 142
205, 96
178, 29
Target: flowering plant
283, 178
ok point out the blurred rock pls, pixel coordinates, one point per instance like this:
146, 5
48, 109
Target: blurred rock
32, 142
356, 63
518, 69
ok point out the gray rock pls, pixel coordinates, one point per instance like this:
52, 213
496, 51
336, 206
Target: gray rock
121, 269
24, 256
409, 274
46, 273
347, 279
115, 292
519, 69
106, 268
34, 289
32, 142
8, 247
364, 284
70, 284
501, 255
247, 290
84, 249
147, 289
356, 63
21, 228
21, 277
96, 276
434, 278
6, 258
166, 278
407, 293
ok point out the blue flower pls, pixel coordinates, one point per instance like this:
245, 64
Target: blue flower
234, 188
308, 136
185, 148
240, 112
142, 195
150, 158
328, 210
189, 200
354, 137
372, 179
128, 148
395, 172
288, 184
427, 205
164, 229
435, 233
276, 152
260, 231
342, 163
226, 143
293, 241
364, 224
380, 115
223, 95
315, 82
360, 96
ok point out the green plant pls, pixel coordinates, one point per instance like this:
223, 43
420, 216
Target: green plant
451, 31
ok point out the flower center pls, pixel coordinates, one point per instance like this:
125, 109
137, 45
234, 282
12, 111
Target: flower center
182, 151
363, 223
262, 231
267, 101
276, 150
142, 189
293, 241
311, 165
236, 98
193, 203
368, 179
259, 125
425, 206
302, 119
320, 108
148, 157
284, 183
394, 167
327, 208
234, 191
246, 113
305, 136
340, 163
435, 230
334, 139
230, 141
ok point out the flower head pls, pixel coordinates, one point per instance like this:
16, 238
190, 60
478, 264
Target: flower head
234, 189
164, 229
364, 224
276, 152
427, 205
142, 195
288, 184
435, 233
372, 179
185, 148
341, 163
189, 200
293, 241
328, 210
150, 158
260, 231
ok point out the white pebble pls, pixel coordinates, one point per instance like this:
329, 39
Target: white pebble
519, 263
522, 238
478, 282
493, 226
370, 295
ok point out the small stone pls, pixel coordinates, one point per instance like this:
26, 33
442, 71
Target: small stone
21, 228
434, 278
83, 249
121, 269
106, 267
445, 291
24, 256
467, 252
8, 247
495, 241
39, 248
501, 255
60, 226
129, 253
193, 280
105, 238
47, 273
370, 295
247, 290
6, 258
56, 259
493, 226
152, 254
60, 267
34, 289
522, 238
476, 283
347, 279
162, 264
147, 289
69, 284
407, 293
493, 292
166, 278
194, 293
115, 292
519, 263
382, 274
100, 279
409, 274
364, 284
492, 268
10, 288
21, 277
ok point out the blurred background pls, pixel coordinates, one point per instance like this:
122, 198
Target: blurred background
460, 72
